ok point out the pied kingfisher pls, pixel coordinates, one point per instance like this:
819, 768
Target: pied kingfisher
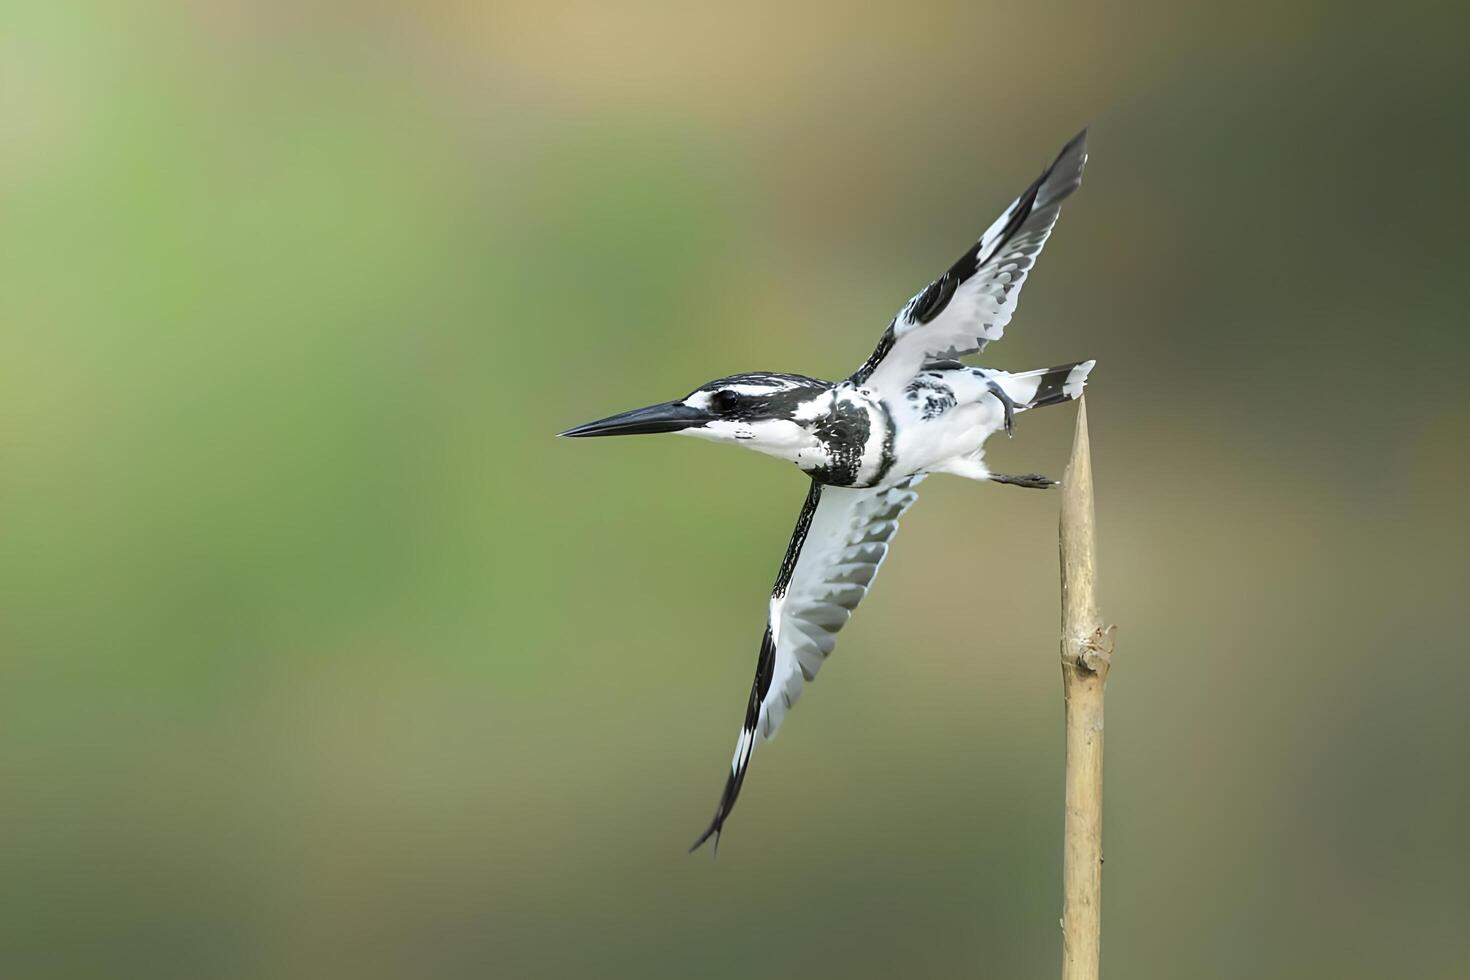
912, 409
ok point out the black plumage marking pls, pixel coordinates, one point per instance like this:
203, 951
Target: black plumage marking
798, 538
936, 296
765, 670
932, 395
843, 433
885, 344
785, 393
1052, 388
773, 379
886, 457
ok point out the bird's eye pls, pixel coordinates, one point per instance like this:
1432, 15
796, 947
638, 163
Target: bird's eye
723, 401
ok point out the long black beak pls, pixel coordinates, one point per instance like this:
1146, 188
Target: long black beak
667, 417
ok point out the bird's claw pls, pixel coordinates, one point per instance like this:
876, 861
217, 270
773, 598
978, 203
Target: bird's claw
1009, 405
1033, 481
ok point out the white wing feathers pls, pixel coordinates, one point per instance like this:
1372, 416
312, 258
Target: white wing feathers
970, 305
840, 540
846, 543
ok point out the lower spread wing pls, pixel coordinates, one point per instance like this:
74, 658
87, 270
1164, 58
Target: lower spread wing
841, 538
970, 305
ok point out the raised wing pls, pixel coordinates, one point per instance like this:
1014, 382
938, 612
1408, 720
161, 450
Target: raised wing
841, 538
970, 305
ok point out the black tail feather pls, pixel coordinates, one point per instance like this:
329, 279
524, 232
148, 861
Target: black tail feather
1057, 384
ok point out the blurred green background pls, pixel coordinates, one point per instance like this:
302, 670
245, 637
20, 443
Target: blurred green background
320, 657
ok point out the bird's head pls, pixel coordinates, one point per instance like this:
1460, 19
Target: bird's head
770, 413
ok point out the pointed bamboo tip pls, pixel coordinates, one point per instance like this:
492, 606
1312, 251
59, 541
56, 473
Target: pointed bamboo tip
1080, 442
1078, 478
1078, 540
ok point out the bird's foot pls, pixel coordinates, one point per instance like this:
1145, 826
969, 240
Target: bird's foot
1009, 405
1033, 480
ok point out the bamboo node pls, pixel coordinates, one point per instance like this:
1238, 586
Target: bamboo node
1091, 652
1097, 652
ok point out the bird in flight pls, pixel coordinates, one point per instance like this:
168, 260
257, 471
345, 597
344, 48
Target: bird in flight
912, 409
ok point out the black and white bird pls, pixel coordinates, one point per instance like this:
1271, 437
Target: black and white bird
912, 409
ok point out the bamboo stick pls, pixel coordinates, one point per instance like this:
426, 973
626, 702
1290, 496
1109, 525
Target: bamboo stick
1086, 656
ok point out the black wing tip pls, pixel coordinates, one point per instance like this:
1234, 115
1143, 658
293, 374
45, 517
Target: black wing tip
1065, 173
722, 813
1076, 147
713, 830
731, 792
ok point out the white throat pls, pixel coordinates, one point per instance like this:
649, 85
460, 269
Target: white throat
781, 438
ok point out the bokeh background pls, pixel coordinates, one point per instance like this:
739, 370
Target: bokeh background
320, 657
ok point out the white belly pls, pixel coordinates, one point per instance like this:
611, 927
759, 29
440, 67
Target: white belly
930, 434
922, 444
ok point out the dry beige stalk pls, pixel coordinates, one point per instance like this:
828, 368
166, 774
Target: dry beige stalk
1086, 657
